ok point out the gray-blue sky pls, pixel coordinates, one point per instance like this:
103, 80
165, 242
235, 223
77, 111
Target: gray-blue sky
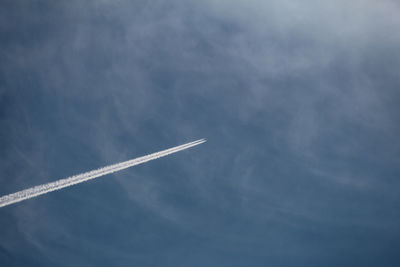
298, 101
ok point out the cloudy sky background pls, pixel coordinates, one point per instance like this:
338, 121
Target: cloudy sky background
299, 101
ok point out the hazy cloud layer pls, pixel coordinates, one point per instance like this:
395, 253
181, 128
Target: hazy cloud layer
298, 101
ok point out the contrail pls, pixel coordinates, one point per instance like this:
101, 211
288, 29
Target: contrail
76, 179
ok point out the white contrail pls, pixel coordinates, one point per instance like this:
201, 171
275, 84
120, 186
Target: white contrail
76, 179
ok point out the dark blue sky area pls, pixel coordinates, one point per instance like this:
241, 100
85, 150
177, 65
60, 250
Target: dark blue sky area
299, 102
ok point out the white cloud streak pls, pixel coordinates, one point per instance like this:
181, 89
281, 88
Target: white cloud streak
76, 179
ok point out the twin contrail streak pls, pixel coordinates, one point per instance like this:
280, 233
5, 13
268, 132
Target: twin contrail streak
76, 179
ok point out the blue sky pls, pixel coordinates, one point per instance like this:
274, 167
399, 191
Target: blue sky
298, 102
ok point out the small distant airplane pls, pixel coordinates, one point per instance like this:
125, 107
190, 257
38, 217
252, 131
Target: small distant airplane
76, 179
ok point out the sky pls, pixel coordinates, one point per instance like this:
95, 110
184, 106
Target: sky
298, 101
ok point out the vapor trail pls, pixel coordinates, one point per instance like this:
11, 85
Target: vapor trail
76, 179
